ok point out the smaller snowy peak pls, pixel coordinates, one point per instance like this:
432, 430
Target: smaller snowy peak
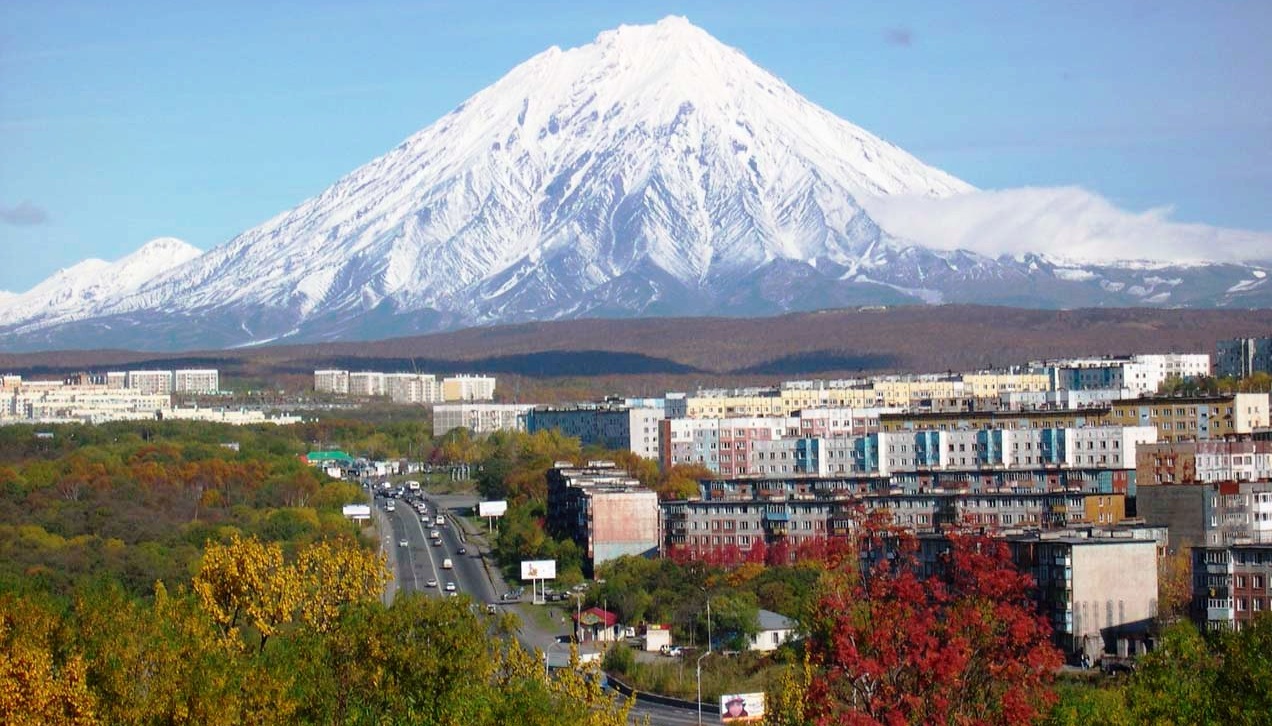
74, 291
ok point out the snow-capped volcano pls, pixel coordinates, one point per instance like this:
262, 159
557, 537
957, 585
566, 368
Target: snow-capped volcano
79, 289
652, 171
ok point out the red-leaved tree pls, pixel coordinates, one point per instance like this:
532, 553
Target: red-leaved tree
961, 643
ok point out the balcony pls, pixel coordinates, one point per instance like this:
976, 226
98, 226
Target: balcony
1219, 614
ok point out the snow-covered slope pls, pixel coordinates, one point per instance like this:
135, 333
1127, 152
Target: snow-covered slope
654, 171
77, 290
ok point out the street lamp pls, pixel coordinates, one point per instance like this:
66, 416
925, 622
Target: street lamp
546, 653
704, 655
699, 669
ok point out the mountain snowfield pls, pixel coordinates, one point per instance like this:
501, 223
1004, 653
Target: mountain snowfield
74, 291
654, 171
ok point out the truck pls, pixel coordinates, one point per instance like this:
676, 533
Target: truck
447, 564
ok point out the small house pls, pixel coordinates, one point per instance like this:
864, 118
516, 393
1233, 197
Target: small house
775, 629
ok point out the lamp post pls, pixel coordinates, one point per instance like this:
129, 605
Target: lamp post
546, 653
699, 669
704, 655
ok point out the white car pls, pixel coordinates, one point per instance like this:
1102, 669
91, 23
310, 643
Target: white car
450, 587
403, 543
431, 582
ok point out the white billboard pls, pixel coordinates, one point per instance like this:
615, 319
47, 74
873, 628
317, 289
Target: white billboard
742, 707
538, 569
492, 509
357, 511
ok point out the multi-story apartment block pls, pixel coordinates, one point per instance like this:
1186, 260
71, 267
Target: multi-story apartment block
753, 448
1243, 357
1179, 418
614, 427
189, 380
932, 392
1189, 462
1092, 588
150, 381
116, 380
1232, 584
1209, 514
468, 388
479, 418
412, 388
1140, 374
726, 528
607, 513
331, 381
366, 383
1176, 418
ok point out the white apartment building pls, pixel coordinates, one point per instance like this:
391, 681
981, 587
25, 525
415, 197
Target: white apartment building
1139, 374
468, 388
116, 380
331, 381
479, 418
190, 380
412, 387
150, 381
366, 383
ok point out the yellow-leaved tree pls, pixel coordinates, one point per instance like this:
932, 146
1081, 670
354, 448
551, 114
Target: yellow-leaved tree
247, 582
335, 574
35, 687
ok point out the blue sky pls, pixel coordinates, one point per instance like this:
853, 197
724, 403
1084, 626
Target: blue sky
125, 121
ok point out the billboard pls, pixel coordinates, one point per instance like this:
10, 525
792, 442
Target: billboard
742, 708
538, 569
357, 511
492, 509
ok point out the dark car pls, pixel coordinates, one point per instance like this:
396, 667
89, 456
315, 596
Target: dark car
462, 550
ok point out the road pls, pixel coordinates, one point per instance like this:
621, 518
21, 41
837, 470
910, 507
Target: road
419, 561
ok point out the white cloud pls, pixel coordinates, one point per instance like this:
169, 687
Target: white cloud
1065, 222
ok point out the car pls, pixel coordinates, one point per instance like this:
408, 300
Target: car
403, 543
452, 594
673, 651
492, 608
435, 534
437, 543
432, 582
565, 639
450, 587
462, 550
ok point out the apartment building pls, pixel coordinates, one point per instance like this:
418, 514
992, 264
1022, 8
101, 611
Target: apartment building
1180, 418
191, 380
1092, 589
1188, 462
366, 383
331, 381
479, 418
148, 382
724, 529
468, 388
1213, 515
417, 388
613, 427
1140, 374
1232, 585
1243, 357
607, 513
